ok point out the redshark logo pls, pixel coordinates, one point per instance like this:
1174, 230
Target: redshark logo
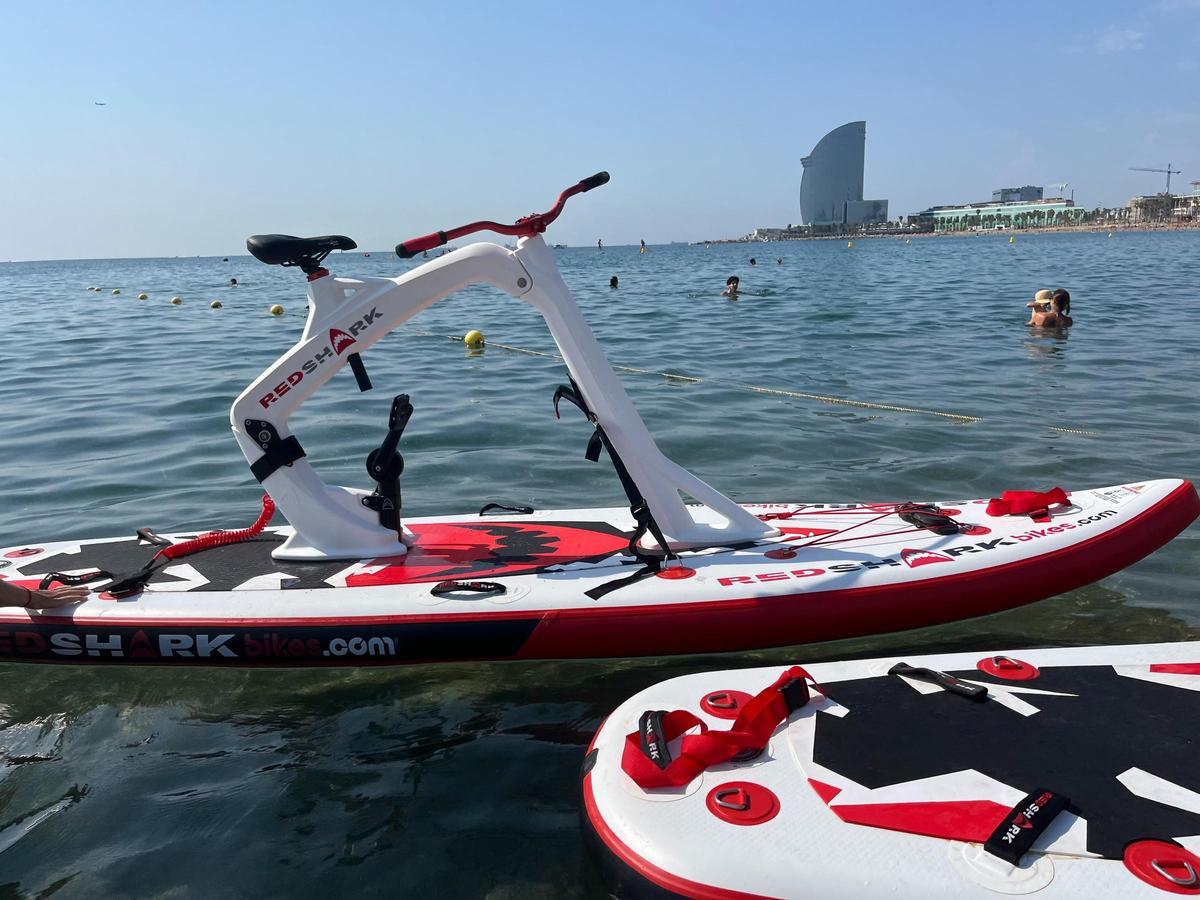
339, 340
916, 558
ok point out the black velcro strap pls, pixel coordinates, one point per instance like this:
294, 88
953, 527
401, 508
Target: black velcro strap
589, 762
1024, 824
617, 583
281, 453
925, 515
477, 587
653, 743
150, 537
795, 694
595, 443
947, 682
489, 507
72, 580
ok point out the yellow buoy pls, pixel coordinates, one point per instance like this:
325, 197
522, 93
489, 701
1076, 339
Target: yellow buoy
143, 296
849, 245
1012, 239
216, 304
116, 291
176, 301
276, 310
473, 338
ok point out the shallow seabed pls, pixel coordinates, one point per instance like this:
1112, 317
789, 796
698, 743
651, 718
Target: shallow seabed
461, 780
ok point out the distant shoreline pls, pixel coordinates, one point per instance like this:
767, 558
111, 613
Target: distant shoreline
995, 232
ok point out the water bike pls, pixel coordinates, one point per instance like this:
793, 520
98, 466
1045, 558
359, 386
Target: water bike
682, 569
1055, 773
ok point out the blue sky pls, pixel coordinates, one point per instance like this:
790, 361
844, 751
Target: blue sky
384, 120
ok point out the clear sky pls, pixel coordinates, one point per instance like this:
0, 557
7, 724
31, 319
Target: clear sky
383, 120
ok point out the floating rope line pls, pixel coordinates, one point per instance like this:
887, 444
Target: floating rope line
959, 418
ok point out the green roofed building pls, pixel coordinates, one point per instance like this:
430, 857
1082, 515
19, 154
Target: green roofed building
986, 216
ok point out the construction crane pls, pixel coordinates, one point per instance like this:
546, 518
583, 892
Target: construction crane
1168, 170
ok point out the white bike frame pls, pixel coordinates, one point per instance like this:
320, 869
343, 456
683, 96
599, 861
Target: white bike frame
348, 315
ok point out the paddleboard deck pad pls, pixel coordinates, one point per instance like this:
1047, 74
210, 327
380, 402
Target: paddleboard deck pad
1066, 772
562, 584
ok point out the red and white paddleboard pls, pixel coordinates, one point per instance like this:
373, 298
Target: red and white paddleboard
558, 583
1065, 773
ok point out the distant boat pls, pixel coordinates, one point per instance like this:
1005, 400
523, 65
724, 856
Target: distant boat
560, 246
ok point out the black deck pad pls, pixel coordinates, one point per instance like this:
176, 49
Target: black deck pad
225, 567
1075, 746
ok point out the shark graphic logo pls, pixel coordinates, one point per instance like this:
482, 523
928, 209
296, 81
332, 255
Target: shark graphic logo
916, 558
339, 340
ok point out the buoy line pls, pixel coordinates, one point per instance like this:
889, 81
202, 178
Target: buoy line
959, 418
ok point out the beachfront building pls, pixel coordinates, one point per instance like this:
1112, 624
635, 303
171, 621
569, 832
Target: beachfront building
831, 188
987, 216
1017, 194
1166, 207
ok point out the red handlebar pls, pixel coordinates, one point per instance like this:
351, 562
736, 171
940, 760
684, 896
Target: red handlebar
533, 224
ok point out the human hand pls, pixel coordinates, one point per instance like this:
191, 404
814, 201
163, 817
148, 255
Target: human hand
55, 597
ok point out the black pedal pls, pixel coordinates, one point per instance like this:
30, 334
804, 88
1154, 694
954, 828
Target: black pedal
385, 465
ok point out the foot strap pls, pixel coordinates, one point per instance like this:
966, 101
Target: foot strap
647, 757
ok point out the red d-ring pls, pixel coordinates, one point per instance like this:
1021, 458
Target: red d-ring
1008, 668
1164, 865
725, 704
742, 803
675, 573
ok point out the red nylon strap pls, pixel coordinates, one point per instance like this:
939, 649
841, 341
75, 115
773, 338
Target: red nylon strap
1032, 503
221, 538
750, 731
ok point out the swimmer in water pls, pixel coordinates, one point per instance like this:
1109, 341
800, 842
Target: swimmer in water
731, 287
612, 282
1051, 309
753, 261
1061, 302
1040, 307
779, 260
233, 282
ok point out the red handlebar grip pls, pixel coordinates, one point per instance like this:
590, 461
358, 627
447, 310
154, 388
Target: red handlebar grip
410, 248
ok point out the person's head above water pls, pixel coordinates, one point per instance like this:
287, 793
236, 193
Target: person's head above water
732, 281
779, 260
233, 282
753, 261
612, 282
1041, 299
1061, 301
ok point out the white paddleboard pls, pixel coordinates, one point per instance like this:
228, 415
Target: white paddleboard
560, 584
1074, 776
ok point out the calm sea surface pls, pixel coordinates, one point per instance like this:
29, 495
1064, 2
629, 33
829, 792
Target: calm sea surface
461, 780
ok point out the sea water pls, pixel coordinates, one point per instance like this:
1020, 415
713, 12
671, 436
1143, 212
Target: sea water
462, 780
